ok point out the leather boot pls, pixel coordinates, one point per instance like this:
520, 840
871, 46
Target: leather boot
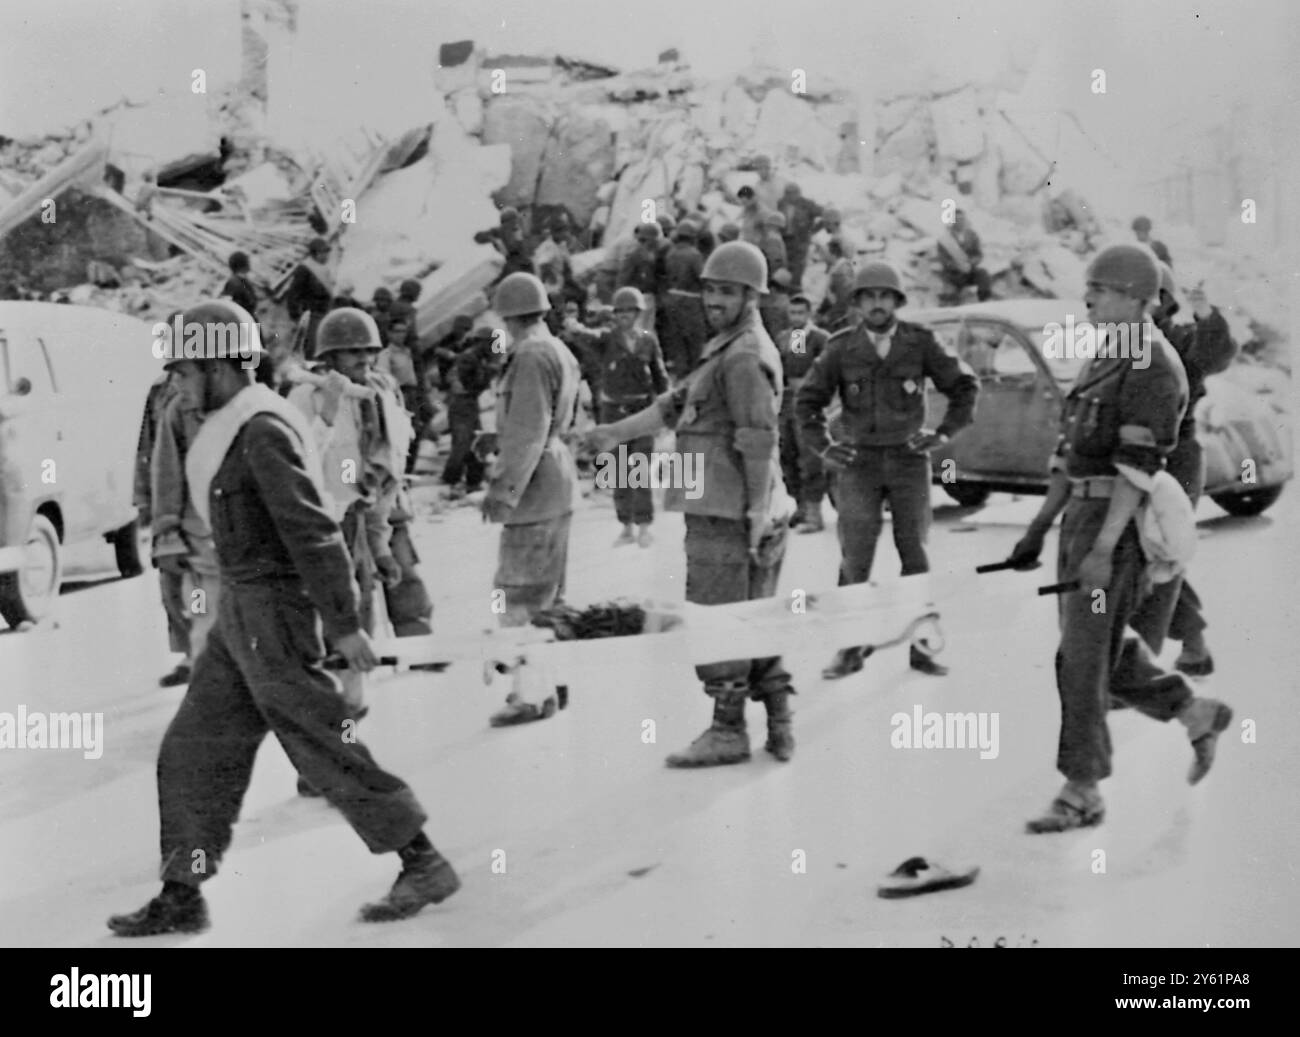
726, 741
780, 730
177, 909
426, 878
1205, 720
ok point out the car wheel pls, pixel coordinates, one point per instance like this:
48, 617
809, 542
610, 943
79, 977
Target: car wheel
1247, 504
28, 595
126, 545
967, 494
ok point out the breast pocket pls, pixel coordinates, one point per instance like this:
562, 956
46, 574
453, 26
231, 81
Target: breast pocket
905, 389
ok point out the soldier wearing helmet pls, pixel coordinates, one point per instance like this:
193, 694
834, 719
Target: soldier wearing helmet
1205, 347
1118, 423
625, 369
363, 443
254, 476
878, 369
534, 481
643, 269
725, 415
684, 328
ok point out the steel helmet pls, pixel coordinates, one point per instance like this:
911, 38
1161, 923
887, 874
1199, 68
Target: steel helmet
347, 328
738, 262
629, 298
651, 231
1131, 269
230, 332
519, 295
877, 273
1141, 223
409, 289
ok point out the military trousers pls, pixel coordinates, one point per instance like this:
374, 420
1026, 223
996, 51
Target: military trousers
1099, 656
805, 477
900, 476
261, 672
531, 564
720, 571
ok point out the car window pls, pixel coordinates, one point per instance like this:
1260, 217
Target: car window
990, 349
27, 365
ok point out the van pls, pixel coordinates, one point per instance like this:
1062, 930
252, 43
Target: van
73, 386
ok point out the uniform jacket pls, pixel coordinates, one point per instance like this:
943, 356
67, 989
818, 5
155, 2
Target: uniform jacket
727, 414
270, 525
640, 269
174, 511
363, 455
618, 374
884, 400
1118, 414
474, 370
240, 289
682, 267
309, 289
796, 364
536, 405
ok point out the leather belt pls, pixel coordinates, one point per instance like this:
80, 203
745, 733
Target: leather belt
1093, 487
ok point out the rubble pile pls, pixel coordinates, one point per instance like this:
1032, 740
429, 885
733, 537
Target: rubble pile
545, 133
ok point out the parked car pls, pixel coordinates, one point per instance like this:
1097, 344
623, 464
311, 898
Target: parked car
1021, 390
73, 382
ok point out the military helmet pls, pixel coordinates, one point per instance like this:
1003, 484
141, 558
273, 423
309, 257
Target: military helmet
629, 298
652, 231
878, 273
1142, 223
238, 337
409, 289
519, 295
347, 328
1131, 269
738, 262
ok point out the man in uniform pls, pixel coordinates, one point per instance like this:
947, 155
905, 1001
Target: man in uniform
1119, 422
878, 369
285, 572
534, 484
468, 377
626, 372
1205, 347
362, 444
726, 412
805, 479
683, 312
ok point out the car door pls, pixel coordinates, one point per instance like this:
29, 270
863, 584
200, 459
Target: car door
1015, 427
33, 450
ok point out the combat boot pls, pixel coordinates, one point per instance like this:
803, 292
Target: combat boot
726, 741
812, 518
1205, 720
426, 878
177, 909
780, 729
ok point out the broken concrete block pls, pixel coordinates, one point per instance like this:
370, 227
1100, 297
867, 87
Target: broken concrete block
455, 288
524, 123
578, 159
739, 113
920, 215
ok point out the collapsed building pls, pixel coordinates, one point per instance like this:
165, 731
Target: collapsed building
151, 200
